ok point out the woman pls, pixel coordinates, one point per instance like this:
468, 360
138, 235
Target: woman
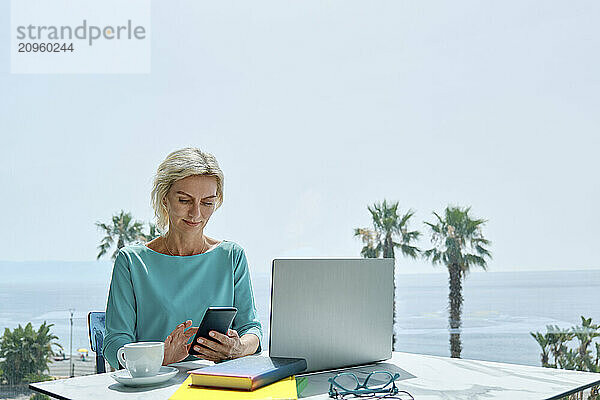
158, 288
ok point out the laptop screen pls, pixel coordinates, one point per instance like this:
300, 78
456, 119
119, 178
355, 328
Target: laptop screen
332, 312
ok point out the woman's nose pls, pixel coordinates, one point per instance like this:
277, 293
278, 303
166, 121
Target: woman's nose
195, 210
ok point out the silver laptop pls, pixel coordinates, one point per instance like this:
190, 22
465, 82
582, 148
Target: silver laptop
334, 312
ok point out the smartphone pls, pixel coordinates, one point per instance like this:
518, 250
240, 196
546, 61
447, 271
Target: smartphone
215, 319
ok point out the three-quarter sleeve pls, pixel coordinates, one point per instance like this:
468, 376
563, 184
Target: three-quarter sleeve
246, 319
120, 310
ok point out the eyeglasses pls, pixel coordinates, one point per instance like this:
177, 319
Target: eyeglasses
379, 384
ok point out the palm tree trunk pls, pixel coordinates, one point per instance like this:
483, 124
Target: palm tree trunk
388, 247
455, 300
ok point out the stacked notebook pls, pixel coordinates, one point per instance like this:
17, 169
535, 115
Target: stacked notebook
252, 377
281, 390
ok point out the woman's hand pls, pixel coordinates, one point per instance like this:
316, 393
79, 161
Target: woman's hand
223, 347
176, 347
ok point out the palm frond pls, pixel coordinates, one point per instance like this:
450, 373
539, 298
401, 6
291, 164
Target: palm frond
390, 231
458, 240
481, 241
411, 251
404, 220
411, 236
483, 251
106, 228
123, 230
473, 260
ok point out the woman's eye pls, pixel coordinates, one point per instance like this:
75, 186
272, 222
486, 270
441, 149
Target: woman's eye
183, 201
208, 204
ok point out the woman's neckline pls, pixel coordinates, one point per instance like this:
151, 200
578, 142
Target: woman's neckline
193, 255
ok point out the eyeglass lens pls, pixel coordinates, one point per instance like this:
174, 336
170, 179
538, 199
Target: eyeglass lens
378, 380
347, 381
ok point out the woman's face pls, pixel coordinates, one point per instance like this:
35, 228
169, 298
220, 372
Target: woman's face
190, 202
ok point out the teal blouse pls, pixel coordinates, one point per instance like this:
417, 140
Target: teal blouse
151, 293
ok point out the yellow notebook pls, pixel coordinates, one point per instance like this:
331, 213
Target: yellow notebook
281, 390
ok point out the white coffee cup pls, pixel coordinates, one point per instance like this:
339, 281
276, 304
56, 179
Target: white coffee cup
142, 358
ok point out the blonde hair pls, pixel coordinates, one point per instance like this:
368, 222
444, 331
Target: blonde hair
178, 165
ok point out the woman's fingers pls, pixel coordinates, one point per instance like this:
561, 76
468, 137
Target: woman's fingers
177, 328
180, 329
179, 336
219, 337
191, 332
215, 346
232, 333
207, 353
175, 334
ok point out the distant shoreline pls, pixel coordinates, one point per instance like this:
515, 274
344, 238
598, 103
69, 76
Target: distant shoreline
60, 369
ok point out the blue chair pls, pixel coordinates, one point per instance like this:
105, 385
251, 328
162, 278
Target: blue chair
96, 330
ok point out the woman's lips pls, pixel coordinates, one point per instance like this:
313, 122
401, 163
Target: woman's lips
191, 224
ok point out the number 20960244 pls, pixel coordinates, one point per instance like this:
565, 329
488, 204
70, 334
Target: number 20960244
44, 47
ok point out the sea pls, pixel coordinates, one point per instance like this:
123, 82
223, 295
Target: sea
499, 312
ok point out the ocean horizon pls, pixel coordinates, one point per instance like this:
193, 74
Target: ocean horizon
500, 308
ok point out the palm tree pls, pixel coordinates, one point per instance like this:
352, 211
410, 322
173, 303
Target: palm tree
390, 232
459, 245
154, 232
43, 340
25, 353
586, 333
544, 344
372, 248
557, 342
123, 229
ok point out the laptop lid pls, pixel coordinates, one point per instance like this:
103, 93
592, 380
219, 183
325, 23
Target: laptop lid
333, 312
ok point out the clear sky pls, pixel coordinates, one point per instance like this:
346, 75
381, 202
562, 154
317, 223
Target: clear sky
316, 109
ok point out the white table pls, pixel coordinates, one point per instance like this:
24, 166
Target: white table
425, 377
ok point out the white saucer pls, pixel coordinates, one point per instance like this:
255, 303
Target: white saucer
164, 374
